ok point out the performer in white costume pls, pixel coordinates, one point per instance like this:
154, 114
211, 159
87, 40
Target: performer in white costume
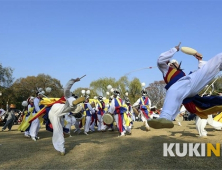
201, 123
89, 111
58, 110
144, 103
115, 109
182, 87
180, 115
71, 120
35, 125
100, 106
30, 109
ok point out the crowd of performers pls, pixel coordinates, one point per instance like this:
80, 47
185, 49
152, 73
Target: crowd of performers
59, 115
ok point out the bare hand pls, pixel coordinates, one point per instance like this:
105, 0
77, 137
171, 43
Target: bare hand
178, 46
77, 79
198, 55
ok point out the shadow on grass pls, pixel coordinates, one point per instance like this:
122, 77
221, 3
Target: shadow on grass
100, 151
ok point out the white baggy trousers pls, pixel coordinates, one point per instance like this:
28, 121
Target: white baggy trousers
54, 116
189, 86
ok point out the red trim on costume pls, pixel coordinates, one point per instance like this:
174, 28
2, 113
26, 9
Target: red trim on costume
190, 107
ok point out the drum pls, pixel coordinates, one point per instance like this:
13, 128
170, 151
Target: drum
78, 112
135, 111
108, 119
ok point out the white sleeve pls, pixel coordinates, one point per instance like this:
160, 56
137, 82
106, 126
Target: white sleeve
90, 108
67, 88
97, 107
29, 106
183, 109
163, 60
201, 63
137, 102
112, 106
36, 104
150, 103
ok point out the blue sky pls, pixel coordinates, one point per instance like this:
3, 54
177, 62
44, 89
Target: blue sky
109, 38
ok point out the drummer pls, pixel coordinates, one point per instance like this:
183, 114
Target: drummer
179, 117
115, 108
144, 103
100, 106
110, 127
89, 111
129, 115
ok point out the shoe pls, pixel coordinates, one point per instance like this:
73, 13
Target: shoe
66, 135
85, 133
62, 153
78, 100
37, 138
33, 138
27, 136
129, 132
148, 128
3, 129
9, 130
122, 134
160, 123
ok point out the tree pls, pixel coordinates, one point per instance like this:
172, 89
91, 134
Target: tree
78, 92
6, 80
25, 87
100, 86
156, 93
135, 88
123, 84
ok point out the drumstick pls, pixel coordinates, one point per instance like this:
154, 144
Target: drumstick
82, 76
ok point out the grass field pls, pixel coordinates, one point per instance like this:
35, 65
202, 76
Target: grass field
104, 150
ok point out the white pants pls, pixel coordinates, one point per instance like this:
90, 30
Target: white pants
26, 133
200, 126
213, 123
70, 121
87, 124
54, 116
100, 123
143, 118
116, 117
92, 126
34, 128
189, 86
133, 118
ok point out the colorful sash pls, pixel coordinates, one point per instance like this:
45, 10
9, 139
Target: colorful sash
172, 76
101, 108
48, 104
203, 106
